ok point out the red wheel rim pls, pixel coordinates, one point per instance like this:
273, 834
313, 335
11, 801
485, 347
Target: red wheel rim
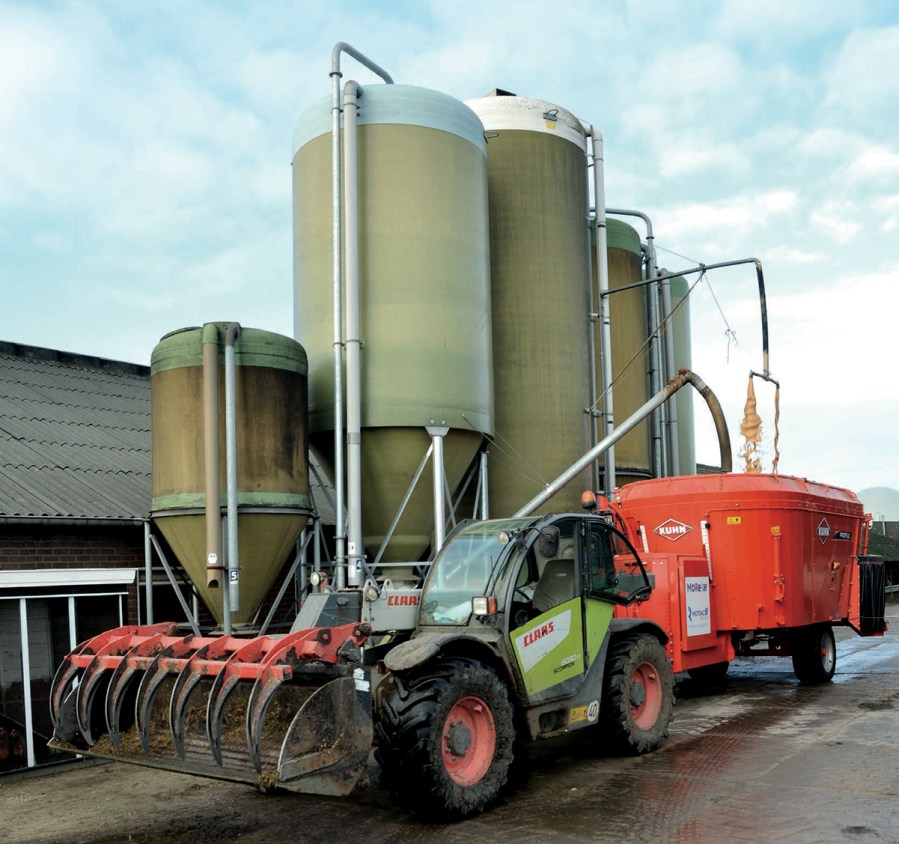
469, 741
646, 695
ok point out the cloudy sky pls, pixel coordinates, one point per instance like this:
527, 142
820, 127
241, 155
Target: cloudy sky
145, 172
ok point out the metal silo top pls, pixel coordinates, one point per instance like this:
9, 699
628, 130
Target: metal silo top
504, 112
406, 105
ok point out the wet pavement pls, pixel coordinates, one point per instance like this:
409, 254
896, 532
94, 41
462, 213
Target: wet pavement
759, 759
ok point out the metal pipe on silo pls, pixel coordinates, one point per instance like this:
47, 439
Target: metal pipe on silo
353, 342
337, 315
214, 568
658, 451
232, 334
211, 454
593, 316
484, 481
605, 329
437, 434
148, 574
337, 281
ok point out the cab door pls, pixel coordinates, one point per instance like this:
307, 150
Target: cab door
600, 577
546, 625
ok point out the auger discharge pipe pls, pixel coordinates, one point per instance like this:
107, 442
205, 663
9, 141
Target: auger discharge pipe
339, 49
685, 376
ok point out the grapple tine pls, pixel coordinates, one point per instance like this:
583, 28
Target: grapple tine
63, 713
242, 664
156, 665
65, 725
206, 661
98, 670
138, 658
184, 685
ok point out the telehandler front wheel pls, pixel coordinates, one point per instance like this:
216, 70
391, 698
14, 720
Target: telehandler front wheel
445, 738
638, 696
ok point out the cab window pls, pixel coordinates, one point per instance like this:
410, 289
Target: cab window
613, 570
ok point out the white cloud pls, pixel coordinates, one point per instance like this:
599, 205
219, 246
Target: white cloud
788, 254
837, 220
876, 162
733, 219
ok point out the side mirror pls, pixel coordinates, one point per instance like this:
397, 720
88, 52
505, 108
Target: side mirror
548, 544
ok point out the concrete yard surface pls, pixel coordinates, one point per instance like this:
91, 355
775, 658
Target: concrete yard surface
760, 759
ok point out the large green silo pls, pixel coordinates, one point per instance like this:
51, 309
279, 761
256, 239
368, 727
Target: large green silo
683, 359
540, 278
273, 500
424, 295
627, 312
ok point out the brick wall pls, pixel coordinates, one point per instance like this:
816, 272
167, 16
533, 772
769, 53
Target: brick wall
24, 548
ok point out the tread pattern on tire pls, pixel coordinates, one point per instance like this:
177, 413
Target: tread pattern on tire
409, 739
616, 729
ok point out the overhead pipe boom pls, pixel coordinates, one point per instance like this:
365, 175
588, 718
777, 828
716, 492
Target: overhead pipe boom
701, 268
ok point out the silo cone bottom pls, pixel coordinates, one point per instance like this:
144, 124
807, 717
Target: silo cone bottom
390, 457
265, 540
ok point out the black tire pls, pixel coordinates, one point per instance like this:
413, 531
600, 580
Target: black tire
445, 738
814, 655
709, 675
638, 696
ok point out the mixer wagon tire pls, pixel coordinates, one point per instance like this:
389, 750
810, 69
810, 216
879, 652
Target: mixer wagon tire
814, 655
445, 738
638, 697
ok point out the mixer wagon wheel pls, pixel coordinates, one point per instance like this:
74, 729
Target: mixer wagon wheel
814, 654
445, 738
638, 696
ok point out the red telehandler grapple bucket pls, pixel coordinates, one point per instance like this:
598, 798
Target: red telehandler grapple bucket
292, 711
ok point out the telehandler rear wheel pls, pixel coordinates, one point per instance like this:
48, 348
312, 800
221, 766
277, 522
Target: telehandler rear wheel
445, 738
638, 696
814, 655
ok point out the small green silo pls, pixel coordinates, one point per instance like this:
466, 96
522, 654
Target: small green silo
627, 311
273, 498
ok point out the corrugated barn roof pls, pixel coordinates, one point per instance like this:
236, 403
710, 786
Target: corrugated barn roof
74, 436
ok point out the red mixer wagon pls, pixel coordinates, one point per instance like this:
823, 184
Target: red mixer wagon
752, 564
